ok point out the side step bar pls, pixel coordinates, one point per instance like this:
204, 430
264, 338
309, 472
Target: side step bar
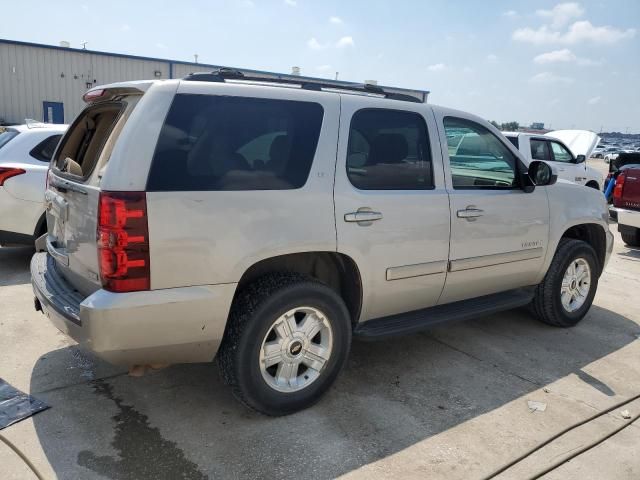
417, 320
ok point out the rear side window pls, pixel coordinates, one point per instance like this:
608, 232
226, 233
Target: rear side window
235, 143
44, 150
85, 139
514, 141
6, 135
389, 150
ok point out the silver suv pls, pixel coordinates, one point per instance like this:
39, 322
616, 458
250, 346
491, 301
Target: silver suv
263, 224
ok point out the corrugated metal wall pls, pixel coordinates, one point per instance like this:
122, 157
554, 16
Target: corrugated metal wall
30, 75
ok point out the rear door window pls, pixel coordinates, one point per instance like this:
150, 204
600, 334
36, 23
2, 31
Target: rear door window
44, 150
85, 139
389, 150
540, 150
235, 143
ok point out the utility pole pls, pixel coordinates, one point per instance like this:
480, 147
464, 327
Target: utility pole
84, 45
195, 56
337, 75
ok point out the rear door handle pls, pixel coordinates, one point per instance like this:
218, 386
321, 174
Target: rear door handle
362, 216
470, 213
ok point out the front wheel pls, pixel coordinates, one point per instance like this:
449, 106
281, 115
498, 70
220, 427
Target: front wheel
566, 293
287, 340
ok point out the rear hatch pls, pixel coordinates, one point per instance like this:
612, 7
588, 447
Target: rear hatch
580, 142
73, 189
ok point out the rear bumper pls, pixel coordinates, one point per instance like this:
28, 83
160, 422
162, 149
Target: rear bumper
627, 218
177, 325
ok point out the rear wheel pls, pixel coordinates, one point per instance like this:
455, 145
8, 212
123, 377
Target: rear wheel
631, 236
287, 339
593, 185
566, 293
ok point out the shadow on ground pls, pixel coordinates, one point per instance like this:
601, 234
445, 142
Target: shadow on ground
14, 265
182, 422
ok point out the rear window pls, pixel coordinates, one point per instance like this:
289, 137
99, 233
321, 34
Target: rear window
235, 143
83, 143
44, 150
6, 135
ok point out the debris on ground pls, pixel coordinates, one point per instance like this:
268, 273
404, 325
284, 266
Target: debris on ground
16, 405
536, 406
625, 414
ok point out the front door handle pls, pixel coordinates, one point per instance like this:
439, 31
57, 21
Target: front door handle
364, 216
470, 213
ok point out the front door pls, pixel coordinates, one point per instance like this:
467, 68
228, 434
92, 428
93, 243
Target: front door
498, 232
391, 204
566, 165
53, 112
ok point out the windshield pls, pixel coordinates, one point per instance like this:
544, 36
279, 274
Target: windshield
6, 135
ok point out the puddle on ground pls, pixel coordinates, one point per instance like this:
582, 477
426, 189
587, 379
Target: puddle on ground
142, 452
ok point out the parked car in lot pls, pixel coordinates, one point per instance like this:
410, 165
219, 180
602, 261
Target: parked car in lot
25, 151
567, 150
267, 224
626, 198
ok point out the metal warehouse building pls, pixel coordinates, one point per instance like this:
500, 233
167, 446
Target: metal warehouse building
46, 82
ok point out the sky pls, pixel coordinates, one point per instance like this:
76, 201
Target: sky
567, 64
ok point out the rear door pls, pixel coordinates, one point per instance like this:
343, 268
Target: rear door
73, 191
391, 205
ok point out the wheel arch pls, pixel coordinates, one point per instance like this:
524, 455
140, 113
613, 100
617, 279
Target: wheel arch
593, 184
593, 234
336, 270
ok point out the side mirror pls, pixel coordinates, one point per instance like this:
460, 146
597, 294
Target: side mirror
581, 159
542, 174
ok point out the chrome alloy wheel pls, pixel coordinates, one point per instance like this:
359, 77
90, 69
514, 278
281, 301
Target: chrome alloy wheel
576, 284
296, 349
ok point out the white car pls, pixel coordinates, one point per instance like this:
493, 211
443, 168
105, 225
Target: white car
567, 150
25, 151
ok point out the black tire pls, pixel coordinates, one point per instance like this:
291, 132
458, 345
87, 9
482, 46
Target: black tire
547, 304
631, 238
593, 185
254, 310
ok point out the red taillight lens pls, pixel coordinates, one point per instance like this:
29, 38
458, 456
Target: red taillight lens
618, 189
123, 241
7, 172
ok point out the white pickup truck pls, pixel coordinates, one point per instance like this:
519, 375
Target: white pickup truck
567, 150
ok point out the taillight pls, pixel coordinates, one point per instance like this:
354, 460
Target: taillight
123, 241
617, 190
7, 172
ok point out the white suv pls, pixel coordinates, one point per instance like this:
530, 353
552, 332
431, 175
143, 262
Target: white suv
25, 152
266, 224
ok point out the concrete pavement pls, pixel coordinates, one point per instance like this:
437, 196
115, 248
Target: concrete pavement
448, 403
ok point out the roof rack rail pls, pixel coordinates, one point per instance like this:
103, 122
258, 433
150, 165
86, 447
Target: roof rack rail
308, 83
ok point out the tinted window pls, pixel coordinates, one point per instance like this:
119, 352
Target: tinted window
561, 154
540, 150
478, 159
389, 150
235, 143
6, 135
44, 150
514, 141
